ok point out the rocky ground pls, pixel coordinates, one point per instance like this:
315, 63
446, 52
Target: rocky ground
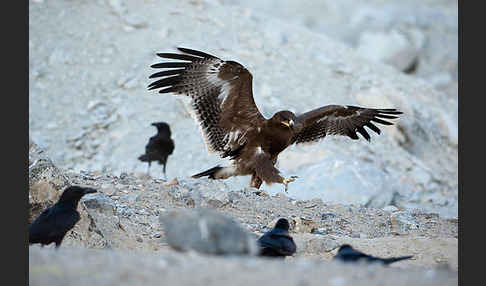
90, 115
122, 220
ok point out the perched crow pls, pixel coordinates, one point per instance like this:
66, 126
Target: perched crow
348, 254
159, 146
54, 222
277, 242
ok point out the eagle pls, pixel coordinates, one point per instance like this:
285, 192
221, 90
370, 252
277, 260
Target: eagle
221, 102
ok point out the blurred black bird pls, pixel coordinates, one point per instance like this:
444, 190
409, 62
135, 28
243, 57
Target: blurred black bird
159, 146
54, 222
346, 253
277, 242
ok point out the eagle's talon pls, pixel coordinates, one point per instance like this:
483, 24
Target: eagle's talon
287, 181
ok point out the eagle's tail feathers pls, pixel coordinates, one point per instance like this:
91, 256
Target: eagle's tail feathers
210, 173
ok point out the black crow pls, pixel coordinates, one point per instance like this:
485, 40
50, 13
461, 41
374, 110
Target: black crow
159, 146
348, 254
277, 242
54, 222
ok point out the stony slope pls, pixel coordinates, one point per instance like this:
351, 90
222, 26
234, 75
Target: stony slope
122, 221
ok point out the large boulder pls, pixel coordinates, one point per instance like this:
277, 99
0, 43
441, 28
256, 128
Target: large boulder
207, 231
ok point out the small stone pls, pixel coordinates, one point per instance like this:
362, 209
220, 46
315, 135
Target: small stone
327, 218
136, 21
100, 202
404, 221
321, 244
132, 83
299, 225
117, 6
354, 234
234, 197
390, 208
128, 28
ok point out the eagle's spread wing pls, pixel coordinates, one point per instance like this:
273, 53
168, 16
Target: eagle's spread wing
221, 93
341, 120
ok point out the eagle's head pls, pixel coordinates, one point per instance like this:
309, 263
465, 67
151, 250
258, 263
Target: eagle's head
285, 118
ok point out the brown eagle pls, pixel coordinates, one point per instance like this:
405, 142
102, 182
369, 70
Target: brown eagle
232, 126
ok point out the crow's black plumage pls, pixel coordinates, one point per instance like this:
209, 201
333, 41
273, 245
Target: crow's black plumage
54, 222
159, 146
277, 242
346, 253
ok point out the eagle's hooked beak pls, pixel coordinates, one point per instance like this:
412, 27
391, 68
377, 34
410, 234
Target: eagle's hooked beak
289, 124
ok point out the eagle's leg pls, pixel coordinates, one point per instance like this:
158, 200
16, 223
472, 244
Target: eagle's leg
255, 182
148, 168
165, 175
266, 170
287, 181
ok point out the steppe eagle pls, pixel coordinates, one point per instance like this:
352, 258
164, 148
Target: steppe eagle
232, 126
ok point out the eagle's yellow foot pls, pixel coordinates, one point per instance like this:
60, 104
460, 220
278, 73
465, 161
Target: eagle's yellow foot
287, 181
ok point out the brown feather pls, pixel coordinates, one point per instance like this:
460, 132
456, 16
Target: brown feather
178, 57
223, 105
222, 98
197, 53
165, 73
341, 120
